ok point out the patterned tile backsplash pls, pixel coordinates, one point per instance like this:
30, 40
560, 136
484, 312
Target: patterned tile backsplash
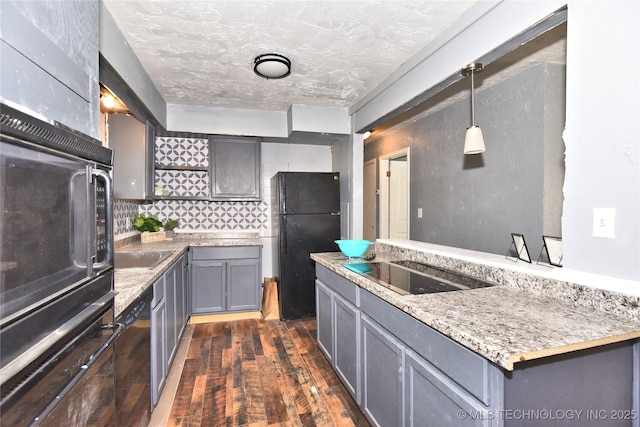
123, 213
183, 183
201, 214
192, 152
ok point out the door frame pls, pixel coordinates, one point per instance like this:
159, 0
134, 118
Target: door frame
373, 211
383, 186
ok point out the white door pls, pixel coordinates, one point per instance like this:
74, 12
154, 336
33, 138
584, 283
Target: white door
398, 198
393, 200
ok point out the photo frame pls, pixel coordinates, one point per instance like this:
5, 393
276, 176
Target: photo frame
553, 249
521, 247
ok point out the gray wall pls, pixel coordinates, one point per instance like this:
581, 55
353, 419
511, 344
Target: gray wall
475, 202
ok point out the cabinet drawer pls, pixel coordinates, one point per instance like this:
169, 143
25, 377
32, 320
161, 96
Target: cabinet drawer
469, 370
343, 287
225, 252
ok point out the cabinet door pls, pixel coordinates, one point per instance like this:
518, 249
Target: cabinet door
430, 395
243, 285
158, 350
186, 287
181, 313
382, 367
208, 280
347, 348
235, 168
324, 319
132, 157
48, 63
170, 296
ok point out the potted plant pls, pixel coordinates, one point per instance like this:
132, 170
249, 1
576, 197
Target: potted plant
149, 226
169, 226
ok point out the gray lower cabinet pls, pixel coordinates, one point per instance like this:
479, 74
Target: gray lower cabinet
338, 328
158, 349
208, 286
347, 350
324, 319
168, 319
182, 307
429, 395
409, 374
225, 279
400, 372
382, 373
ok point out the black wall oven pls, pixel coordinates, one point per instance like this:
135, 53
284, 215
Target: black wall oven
56, 269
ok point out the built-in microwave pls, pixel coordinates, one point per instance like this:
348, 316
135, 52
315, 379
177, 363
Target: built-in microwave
56, 268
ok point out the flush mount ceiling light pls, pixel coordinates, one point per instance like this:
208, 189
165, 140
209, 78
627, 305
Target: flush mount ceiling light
473, 141
367, 134
272, 66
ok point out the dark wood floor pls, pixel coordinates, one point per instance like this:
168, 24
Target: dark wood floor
260, 373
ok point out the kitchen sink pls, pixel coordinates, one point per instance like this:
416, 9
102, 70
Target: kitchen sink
139, 259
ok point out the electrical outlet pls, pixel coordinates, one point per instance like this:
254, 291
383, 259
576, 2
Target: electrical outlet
604, 222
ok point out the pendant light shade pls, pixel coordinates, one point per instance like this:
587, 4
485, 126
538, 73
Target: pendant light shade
473, 141
272, 66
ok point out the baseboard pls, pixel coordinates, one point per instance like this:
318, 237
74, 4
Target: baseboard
225, 317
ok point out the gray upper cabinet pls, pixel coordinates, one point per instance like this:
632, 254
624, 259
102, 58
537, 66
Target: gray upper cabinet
235, 168
49, 63
132, 142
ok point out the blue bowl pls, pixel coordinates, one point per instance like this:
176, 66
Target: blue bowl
353, 248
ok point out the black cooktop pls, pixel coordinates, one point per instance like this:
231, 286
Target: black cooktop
410, 277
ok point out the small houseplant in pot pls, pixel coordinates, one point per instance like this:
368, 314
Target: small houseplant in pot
169, 226
149, 226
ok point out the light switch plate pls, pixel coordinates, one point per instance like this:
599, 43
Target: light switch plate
604, 222
419, 212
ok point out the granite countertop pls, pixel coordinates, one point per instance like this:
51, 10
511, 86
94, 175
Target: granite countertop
131, 283
503, 324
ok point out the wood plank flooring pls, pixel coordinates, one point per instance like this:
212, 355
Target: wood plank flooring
260, 373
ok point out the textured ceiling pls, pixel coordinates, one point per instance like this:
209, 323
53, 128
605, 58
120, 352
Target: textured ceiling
201, 52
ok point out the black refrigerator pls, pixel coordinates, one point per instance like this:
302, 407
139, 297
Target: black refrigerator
307, 212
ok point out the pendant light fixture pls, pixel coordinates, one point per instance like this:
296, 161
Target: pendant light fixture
473, 141
272, 66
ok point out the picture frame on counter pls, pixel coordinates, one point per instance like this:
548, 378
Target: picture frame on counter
518, 242
553, 249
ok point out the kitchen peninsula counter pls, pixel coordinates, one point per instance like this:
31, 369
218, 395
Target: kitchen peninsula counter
503, 324
130, 283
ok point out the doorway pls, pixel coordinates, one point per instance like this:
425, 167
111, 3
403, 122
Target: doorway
394, 195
